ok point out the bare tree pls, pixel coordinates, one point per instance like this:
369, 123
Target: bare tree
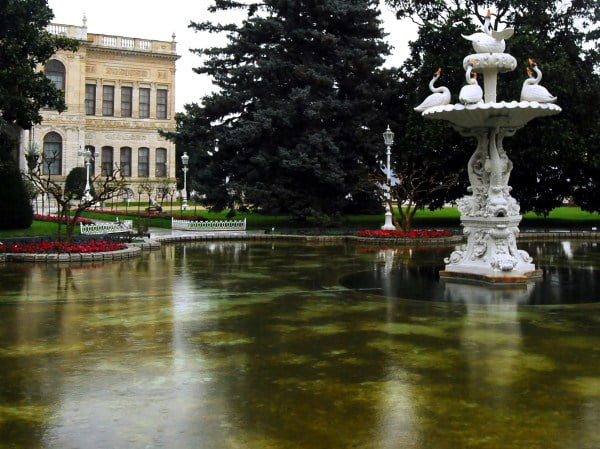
412, 187
106, 186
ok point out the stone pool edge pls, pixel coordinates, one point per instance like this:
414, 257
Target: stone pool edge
154, 243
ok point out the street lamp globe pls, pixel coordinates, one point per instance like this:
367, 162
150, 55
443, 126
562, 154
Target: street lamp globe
388, 137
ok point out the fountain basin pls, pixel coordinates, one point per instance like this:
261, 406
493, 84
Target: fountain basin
513, 114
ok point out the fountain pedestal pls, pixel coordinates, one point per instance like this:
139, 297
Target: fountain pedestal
489, 214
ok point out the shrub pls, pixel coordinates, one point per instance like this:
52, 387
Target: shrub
75, 183
16, 211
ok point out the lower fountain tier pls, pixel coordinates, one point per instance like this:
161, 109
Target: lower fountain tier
514, 114
491, 253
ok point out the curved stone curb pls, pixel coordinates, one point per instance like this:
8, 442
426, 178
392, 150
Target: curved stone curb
436, 241
576, 235
127, 253
309, 238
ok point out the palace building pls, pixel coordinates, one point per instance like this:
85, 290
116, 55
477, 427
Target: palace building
119, 92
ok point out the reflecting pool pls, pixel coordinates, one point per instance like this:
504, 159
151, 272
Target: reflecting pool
275, 345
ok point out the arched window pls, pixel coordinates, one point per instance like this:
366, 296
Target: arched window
125, 161
107, 161
161, 163
143, 162
52, 154
55, 72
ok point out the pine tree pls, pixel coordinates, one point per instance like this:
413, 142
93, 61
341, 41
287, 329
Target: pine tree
299, 113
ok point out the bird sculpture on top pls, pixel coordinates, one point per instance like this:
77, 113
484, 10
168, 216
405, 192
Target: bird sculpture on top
489, 41
439, 97
531, 90
472, 92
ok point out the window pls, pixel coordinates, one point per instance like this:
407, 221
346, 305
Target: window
108, 100
107, 161
144, 102
92, 150
52, 154
161, 103
161, 162
126, 96
55, 72
143, 162
125, 161
90, 99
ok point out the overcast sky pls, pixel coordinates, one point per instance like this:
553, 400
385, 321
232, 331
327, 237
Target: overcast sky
159, 19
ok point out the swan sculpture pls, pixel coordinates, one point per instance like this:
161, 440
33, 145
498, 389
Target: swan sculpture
439, 97
472, 92
489, 41
531, 90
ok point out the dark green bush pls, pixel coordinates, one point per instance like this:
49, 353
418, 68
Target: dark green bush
75, 183
15, 208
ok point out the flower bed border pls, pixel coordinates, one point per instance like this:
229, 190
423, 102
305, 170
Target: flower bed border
126, 253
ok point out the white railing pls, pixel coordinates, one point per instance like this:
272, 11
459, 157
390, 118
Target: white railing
226, 225
145, 45
107, 228
127, 42
109, 41
55, 28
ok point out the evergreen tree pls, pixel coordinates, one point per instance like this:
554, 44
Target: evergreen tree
298, 116
76, 182
554, 158
24, 45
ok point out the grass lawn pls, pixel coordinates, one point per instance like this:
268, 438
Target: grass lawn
446, 217
569, 217
37, 229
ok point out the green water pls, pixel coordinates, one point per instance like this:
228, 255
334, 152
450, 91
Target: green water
255, 345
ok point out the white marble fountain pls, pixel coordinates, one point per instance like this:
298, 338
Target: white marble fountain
489, 214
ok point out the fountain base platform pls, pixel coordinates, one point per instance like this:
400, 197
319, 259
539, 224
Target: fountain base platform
491, 254
500, 279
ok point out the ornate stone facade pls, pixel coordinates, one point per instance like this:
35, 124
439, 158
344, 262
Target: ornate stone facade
119, 92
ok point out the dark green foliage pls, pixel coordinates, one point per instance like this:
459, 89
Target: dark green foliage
24, 44
300, 110
554, 158
75, 183
15, 207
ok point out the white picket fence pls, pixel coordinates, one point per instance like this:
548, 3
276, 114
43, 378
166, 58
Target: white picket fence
107, 228
225, 225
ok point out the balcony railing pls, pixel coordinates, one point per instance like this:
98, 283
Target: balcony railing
111, 41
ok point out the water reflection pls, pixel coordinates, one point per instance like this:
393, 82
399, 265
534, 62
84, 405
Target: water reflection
229, 345
395, 273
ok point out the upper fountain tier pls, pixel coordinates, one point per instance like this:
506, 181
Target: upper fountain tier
490, 60
496, 62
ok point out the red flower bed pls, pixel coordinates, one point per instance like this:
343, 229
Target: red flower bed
90, 246
415, 233
57, 219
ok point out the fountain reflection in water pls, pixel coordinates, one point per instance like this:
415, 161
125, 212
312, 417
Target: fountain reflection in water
565, 281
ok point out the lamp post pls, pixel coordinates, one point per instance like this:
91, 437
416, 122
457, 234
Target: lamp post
388, 139
87, 158
184, 160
